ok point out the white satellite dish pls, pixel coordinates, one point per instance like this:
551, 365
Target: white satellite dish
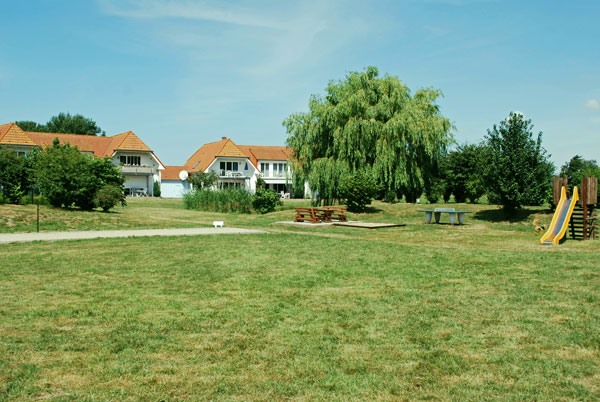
183, 175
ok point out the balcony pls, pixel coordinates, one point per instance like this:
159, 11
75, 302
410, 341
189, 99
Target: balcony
231, 174
276, 175
137, 170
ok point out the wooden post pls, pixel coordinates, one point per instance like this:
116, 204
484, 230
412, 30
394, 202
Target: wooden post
38, 216
584, 201
557, 183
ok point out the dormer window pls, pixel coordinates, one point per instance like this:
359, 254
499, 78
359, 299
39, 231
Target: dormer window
130, 160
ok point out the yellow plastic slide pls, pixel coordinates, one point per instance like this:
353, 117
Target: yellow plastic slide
561, 219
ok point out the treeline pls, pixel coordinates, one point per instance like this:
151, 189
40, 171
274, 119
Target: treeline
63, 176
64, 123
370, 137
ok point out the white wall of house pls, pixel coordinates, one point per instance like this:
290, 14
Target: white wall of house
136, 182
144, 160
244, 173
174, 188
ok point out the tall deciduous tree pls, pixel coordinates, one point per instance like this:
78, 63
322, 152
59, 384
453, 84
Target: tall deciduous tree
368, 124
64, 123
73, 124
519, 172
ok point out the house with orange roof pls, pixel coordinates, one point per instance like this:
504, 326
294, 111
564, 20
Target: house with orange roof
140, 166
235, 165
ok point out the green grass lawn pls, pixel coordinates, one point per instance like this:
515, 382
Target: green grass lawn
476, 312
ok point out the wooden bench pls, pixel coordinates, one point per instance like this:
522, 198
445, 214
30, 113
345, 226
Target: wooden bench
307, 215
337, 213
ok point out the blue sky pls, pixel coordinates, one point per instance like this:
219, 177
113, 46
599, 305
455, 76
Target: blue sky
182, 73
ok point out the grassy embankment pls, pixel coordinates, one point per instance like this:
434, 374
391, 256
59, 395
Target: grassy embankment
417, 312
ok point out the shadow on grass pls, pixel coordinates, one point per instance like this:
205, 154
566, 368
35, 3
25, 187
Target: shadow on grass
499, 215
368, 210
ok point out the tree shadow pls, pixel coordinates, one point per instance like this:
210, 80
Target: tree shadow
500, 215
368, 210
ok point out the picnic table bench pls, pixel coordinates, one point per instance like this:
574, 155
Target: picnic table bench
452, 214
306, 214
317, 215
338, 213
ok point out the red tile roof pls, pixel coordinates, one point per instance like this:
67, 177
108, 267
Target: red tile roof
204, 157
99, 146
171, 172
85, 143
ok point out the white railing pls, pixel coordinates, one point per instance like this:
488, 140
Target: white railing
231, 174
137, 170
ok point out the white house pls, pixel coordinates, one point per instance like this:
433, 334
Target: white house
140, 166
235, 166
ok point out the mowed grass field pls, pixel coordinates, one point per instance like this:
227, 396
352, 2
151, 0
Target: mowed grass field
473, 312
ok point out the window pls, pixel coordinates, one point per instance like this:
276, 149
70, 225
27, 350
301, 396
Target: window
264, 168
222, 165
130, 160
246, 166
235, 166
228, 165
21, 153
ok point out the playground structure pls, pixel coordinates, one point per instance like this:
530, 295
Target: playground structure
576, 212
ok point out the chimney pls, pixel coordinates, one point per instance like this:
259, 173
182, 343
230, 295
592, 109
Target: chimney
223, 138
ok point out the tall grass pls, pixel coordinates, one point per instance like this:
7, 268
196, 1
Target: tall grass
226, 200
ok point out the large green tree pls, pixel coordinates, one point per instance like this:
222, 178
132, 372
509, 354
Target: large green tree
64, 123
369, 124
518, 170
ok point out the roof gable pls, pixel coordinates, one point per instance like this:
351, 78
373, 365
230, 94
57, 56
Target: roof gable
205, 156
11, 134
126, 142
230, 149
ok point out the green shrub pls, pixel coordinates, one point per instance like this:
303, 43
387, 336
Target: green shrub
14, 175
226, 200
108, 196
265, 201
156, 189
358, 189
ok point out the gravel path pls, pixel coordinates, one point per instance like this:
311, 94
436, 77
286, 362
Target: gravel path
51, 236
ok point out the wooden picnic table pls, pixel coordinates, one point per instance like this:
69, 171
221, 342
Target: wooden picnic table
452, 214
318, 215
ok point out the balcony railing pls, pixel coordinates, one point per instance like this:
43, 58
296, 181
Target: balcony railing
276, 175
231, 174
137, 170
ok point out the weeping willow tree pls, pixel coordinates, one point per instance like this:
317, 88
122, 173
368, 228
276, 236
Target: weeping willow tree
373, 125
